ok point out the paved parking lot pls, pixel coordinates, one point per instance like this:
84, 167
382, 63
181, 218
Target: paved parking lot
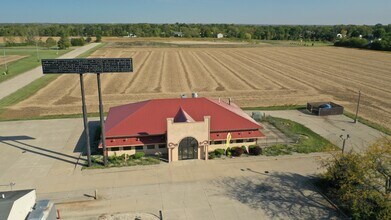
43, 154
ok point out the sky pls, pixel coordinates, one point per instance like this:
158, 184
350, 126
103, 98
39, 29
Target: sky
320, 12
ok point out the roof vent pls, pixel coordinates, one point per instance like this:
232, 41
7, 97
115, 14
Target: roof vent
229, 101
183, 96
194, 95
3, 196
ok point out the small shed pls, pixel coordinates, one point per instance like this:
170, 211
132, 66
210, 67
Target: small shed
220, 35
325, 108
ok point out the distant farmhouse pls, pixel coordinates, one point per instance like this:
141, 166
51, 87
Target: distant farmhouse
177, 34
220, 35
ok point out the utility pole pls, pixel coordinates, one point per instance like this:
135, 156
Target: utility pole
344, 141
36, 47
5, 62
358, 105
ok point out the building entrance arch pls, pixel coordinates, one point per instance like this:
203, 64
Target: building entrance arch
188, 149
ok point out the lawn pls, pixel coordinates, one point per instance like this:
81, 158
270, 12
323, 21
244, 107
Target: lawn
306, 141
27, 63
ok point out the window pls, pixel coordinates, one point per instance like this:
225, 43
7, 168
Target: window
114, 149
150, 147
127, 148
239, 141
139, 148
218, 142
251, 140
162, 146
232, 141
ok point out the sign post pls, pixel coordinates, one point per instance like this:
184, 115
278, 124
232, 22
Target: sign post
89, 65
85, 120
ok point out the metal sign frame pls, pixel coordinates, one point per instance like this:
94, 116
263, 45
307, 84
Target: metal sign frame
89, 65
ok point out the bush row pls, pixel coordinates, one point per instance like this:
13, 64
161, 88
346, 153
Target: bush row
235, 151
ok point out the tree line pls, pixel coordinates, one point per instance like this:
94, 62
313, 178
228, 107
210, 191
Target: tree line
325, 33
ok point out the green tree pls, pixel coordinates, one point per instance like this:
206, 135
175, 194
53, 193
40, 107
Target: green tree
361, 182
379, 32
50, 42
98, 38
64, 42
88, 39
78, 41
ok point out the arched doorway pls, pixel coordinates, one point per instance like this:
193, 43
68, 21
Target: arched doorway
188, 149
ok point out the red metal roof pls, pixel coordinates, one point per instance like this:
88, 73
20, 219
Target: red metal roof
236, 135
150, 117
134, 141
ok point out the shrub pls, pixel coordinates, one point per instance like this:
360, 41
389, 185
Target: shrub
138, 155
64, 43
88, 39
228, 150
219, 152
98, 38
236, 151
255, 150
78, 41
212, 155
244, 149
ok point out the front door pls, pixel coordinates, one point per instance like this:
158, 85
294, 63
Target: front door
188, 149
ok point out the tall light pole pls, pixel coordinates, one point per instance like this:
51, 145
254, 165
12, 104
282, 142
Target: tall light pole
358, 105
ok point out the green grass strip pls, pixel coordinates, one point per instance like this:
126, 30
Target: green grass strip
26, 91
306, 141
276, 107
91, 51
27, 63
368, 123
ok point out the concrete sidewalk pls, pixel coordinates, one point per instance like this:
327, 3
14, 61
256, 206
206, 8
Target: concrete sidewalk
12, 85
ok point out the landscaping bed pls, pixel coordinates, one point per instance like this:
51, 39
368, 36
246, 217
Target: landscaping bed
123, 161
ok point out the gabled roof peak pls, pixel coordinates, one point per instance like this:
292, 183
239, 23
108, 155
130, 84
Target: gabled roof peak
183, 116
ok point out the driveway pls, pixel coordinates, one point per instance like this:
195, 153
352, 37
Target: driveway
12, 85
331, 127
45, 155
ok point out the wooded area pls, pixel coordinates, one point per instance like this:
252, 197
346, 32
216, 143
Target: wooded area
262, 32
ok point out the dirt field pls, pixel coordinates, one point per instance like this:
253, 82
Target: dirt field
10, 58
262, 76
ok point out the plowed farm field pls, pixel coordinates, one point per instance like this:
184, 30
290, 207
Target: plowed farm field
262, 76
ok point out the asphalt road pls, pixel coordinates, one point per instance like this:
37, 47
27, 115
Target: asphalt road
12, 85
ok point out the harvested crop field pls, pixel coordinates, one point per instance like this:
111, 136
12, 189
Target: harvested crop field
261, 76
10, 58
